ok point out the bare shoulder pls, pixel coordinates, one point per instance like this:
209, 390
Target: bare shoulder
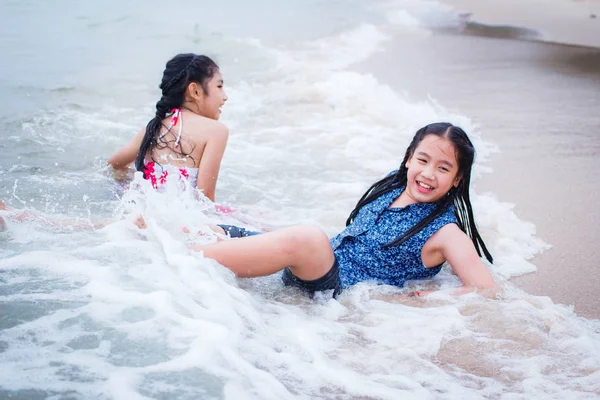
447, 235
219, 130
206, 129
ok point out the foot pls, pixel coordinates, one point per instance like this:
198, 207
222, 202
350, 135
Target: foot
4, 207
139, 222
214, 228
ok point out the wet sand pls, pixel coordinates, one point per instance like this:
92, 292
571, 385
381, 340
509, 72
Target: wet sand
539, 102
572, 22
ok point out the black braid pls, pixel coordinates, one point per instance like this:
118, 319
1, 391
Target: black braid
176, 78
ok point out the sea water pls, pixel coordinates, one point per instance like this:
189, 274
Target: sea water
123, 313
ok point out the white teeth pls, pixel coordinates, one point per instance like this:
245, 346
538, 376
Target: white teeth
424, 186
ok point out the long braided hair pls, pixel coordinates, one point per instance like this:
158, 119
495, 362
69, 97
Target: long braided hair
179, 72
459, 196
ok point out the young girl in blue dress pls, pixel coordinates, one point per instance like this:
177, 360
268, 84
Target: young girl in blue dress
403, 228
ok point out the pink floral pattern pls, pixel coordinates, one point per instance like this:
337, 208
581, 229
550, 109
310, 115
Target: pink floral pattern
150, 174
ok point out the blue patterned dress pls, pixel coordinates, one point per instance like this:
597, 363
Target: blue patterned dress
358, 248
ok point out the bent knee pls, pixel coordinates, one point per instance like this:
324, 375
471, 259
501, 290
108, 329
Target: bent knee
307, 238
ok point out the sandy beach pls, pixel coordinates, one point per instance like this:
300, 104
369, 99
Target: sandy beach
539, 102
571, 22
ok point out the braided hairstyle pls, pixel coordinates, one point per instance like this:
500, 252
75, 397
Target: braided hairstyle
459, 196
179, 72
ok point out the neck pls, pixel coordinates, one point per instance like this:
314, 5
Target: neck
191, 107
404, 200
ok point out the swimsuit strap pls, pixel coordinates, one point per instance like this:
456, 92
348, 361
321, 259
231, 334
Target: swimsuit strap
176, 115
179, 116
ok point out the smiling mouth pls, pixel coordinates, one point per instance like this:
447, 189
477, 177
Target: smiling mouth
424, 186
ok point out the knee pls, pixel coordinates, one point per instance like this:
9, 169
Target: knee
305, 239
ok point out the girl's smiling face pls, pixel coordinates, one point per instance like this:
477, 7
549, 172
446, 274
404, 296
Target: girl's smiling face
432, 170
209, 103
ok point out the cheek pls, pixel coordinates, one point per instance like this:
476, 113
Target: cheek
451, 181
412, 172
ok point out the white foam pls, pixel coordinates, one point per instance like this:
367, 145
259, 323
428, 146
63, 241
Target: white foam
126, 313
419, 16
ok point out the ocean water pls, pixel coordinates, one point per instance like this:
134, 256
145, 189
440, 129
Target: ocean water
119, 313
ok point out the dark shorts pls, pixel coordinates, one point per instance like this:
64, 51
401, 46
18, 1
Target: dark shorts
237, 232
329, 281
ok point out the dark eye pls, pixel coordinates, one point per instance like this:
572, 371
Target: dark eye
422, 160
444, 169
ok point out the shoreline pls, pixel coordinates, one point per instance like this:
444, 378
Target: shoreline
567, 22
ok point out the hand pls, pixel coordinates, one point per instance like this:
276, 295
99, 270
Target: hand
419, 293
410, 297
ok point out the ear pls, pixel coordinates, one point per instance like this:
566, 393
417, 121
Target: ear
408, 162
457, 181
195, 91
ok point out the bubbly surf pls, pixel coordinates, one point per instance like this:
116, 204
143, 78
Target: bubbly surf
123, 313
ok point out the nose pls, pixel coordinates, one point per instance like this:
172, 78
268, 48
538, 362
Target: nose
225, 96
427, 173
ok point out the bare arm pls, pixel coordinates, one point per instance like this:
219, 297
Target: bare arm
128, 153
453, 245
210, 163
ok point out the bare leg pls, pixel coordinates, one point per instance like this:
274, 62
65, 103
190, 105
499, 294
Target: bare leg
21, 216
2, 223
26, 216
140, 222
304, 249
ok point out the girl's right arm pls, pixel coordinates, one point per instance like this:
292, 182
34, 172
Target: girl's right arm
210, 163
126, 155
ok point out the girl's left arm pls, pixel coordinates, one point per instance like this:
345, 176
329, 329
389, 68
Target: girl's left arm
458, 249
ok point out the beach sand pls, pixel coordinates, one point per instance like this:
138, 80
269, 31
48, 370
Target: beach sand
540, 103
572, 22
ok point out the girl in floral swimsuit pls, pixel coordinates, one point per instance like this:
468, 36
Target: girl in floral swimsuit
403, 228
184, 140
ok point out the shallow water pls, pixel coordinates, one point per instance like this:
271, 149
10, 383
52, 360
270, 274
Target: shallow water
127, 314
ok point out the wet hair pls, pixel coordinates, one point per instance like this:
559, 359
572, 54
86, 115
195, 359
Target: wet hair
459, 196
179, 72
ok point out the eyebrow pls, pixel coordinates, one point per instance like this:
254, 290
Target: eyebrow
422, 153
